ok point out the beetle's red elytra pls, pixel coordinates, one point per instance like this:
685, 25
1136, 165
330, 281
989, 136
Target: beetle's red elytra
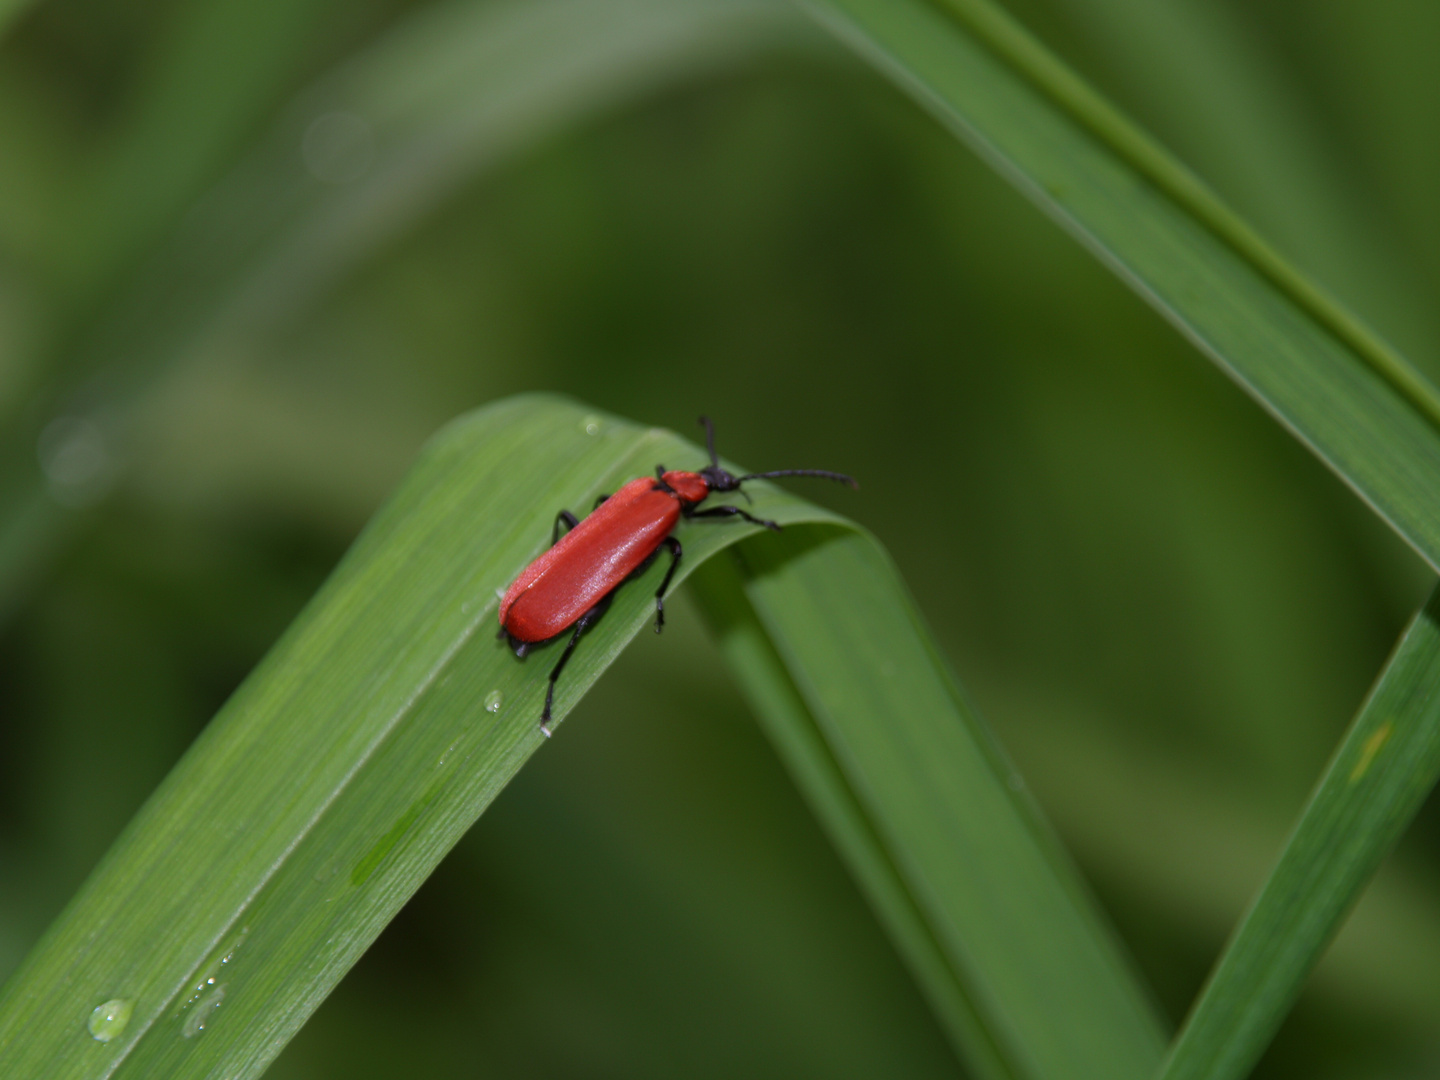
570, 586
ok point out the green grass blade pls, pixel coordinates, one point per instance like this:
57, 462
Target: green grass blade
1338, 388
1374, 786
927, 811
348, 763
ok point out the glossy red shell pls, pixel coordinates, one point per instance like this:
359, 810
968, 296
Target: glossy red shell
591, 559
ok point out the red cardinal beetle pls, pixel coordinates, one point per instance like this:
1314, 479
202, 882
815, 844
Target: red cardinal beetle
572, 584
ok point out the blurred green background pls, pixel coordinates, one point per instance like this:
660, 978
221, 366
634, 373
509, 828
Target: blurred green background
253, 253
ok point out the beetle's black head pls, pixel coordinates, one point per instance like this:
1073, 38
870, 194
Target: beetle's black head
719, 480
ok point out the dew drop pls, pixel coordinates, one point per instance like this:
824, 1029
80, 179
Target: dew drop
493, 701
109, 1020
590, 425
234, 946
201, 1010
209, 991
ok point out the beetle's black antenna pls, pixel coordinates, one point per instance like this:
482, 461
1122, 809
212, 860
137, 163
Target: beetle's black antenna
824, 474
710, 440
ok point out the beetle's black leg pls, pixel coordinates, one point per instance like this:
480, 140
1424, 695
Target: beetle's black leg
598, 500
732, 511
555, 674
570, 521
675, 553
585, 622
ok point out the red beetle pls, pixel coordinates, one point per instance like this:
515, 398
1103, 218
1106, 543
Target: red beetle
572, 584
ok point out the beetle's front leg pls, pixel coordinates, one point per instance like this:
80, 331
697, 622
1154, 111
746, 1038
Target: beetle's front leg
733, 511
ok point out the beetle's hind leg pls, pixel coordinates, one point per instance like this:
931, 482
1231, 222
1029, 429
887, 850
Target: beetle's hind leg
584, 623
675, 552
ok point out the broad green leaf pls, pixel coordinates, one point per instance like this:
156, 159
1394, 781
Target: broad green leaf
389, 716
1382, 772
1348, 396
931, 817
347, 764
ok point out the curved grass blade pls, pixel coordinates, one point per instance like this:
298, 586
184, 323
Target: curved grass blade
922, 803
1354, 401
347, 764
767, 686
1381, 774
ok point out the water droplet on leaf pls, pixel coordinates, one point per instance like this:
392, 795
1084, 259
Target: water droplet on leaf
109, 1020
